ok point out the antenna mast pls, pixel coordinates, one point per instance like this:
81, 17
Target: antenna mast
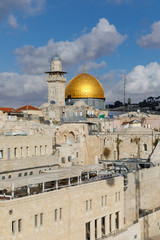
124, 85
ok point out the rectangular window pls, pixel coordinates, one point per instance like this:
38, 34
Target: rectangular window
63, 159
88, 234
77, 154
96, 228
116, 197
145, 147
21, 151
69, 158
103, 225
110, 222
90, 204
45, 149
41, 219
19, 225
9, 153
27, 151
105, 200
55, 215
40, 150
35, 220
15, 152
87, 205
35, 150
119, 196
13, 227
117, 220
102, 201
60, 213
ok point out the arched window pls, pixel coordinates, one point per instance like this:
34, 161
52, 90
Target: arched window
3, 177
65, 138
9, 176
25, 174
20, 175
31, 173
71, 137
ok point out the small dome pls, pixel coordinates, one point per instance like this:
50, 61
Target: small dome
56, 57
84, 86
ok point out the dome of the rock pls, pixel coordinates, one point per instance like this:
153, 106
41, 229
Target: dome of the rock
85, 87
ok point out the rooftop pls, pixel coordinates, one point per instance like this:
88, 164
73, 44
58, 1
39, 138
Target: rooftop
52, 180
28, 107
10, 110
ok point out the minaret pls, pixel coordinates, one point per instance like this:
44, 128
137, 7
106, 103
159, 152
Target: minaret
56, 82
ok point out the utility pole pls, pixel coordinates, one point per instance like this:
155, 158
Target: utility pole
124, 86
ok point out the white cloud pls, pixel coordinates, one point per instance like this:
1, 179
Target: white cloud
17, 89
91, 65
151, 40
13, 21
28, 7
101, 41
144, 81
111, 83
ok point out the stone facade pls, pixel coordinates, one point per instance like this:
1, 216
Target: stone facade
105, 209
142, 193
70, 213
95, 102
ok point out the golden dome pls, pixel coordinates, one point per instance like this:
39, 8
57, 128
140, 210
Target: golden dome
84, 86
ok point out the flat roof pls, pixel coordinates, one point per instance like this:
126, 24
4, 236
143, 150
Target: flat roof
53, 175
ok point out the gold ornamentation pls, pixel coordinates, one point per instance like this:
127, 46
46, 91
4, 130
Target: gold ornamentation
84, 86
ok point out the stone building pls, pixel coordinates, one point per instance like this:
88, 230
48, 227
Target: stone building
75, 179
62, 102
88, 209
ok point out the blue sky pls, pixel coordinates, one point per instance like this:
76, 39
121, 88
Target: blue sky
111, 37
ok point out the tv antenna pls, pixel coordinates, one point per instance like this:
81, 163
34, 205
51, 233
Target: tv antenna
124, 88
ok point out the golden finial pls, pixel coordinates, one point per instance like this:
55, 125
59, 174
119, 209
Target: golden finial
83, 68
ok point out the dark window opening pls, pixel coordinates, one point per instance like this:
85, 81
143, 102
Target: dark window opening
103, 225
88, 235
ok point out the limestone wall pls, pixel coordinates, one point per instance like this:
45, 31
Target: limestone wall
143, 191
146, 228
64, 213
150, 225
14, 167
155, 157
15, 147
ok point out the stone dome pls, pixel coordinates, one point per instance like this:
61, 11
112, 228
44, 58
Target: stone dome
56, 57
84, 86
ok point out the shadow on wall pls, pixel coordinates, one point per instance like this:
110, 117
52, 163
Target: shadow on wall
110, 182
137, 193
146, 228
